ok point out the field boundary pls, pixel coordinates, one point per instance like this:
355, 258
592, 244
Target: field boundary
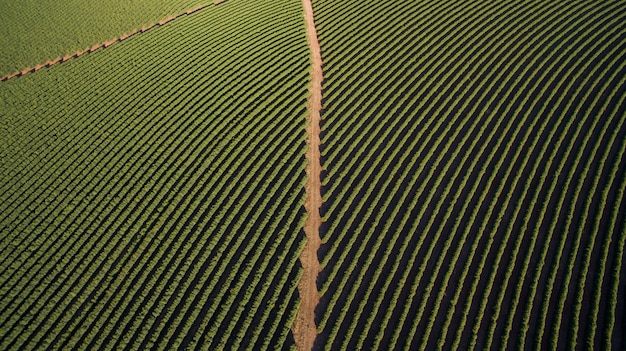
106, 44
304, 329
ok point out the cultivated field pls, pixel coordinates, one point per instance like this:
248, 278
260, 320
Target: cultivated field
34, 32
475, 173
151, 193
163, 192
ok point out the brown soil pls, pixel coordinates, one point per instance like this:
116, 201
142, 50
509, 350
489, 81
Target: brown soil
197, 8
304, 328
106, 44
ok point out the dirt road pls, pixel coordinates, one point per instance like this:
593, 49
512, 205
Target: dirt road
304, 328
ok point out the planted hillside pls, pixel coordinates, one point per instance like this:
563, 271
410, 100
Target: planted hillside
34, 32
474, 174
151, 193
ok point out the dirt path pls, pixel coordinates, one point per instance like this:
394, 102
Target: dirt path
304, 329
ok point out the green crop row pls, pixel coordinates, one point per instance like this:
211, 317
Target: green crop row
443, 126
163, 182
532, 205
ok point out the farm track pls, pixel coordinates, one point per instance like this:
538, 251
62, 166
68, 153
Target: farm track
304, 329
105, 44
473, 187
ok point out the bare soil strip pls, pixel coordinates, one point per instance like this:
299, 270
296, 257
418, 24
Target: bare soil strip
304, 329
105, 44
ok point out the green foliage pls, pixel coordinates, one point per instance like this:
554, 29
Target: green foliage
464, 172
152, 192
34, 32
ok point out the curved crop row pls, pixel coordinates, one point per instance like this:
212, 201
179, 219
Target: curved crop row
451, 133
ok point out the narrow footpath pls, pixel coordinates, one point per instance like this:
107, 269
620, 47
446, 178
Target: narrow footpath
304, 329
